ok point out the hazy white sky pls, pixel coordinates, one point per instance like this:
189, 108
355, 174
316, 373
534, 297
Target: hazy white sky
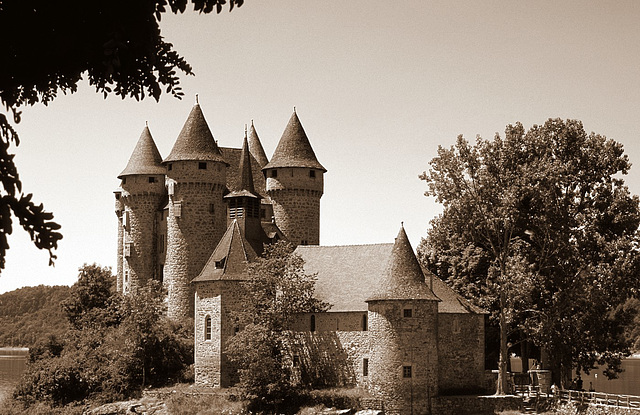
377, 85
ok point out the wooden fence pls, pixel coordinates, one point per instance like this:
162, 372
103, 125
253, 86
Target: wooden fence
582, 397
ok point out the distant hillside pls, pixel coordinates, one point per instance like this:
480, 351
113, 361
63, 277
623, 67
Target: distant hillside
32, 313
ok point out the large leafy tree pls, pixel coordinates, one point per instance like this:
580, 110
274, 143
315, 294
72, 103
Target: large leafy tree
539, 228
49, 47
277, 289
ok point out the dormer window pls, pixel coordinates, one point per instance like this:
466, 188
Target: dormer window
220, 263
202, 165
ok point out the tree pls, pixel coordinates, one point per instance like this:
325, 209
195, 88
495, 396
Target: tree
278, 288
116, 345
117, 45
539, 228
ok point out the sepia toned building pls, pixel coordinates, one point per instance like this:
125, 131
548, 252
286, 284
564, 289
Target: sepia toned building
196, 219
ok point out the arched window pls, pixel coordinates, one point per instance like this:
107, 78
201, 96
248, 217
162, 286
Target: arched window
313, 322
365, 327
207, 328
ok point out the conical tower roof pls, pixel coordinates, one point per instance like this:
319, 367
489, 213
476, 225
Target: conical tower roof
246, 174
229, 260
146, 158
195, 141
255, 147
403, 279
294, 149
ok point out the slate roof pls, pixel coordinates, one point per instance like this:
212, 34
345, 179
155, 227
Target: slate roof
195, 141
294, 149
246, 188
233, 155
255, 147
236, 252
146, 158
348, 275
403, 278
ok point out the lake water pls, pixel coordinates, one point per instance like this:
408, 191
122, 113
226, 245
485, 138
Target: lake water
13, 361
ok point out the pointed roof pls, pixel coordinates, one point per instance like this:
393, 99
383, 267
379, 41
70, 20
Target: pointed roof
246, 174
255, 147
195, 141
294, 149
229, 260
146, 158
403, 278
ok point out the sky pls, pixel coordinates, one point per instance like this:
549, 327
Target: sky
377, 85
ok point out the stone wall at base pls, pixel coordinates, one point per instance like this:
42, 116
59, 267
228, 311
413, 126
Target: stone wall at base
474, 405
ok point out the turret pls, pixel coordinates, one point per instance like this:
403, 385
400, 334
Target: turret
255, 147
196, 221
403, 325
295, 185
244, 203
138, 200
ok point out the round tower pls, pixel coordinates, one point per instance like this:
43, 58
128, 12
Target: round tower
295, 185
138, 200
196, 221
403, 322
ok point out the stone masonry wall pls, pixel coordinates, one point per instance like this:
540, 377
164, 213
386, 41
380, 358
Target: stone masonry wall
119, 207
398, 343
195, 225
461, 353
221, 300
141, 200
296, 203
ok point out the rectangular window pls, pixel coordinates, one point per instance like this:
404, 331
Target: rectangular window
177, 209
365, 367
296, 360
169, 166
263, 213
312, 173
127, 249
207, 328
407, 313
406, 372
202, 165
274, 173
152, 179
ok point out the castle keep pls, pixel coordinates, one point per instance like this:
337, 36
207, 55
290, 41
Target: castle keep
195, 219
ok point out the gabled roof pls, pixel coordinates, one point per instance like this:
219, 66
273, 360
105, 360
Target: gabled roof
255, 147
403, 278
146, 158
348, 275
195, 141
294, 149
246, 174
229, 260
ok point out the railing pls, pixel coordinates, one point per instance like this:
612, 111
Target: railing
582, 397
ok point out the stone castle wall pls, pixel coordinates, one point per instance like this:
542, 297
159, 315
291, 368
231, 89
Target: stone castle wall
296, 203
398, 343
220, 300
141, 199
195, 224
461, 352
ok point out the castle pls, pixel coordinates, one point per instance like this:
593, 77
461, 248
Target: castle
195, 219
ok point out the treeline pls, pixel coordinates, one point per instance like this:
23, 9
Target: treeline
30, 314
111, 346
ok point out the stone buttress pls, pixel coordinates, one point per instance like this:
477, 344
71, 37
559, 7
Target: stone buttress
138, 200
196, 220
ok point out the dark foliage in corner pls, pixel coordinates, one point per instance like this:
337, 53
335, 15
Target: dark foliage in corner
116, 45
